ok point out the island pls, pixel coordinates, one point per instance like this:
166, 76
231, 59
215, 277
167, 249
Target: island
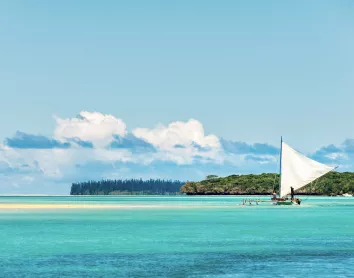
332, 184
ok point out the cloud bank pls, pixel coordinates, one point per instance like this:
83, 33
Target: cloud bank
97, 128
95, 145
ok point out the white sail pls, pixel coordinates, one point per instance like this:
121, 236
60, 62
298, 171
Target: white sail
298, 170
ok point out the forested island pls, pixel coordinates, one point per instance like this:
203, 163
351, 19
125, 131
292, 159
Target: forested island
127, 187
333, 183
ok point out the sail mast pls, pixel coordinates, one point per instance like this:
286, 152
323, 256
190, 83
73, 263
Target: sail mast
281, 148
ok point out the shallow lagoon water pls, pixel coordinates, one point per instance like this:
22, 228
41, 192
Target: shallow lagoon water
176, 236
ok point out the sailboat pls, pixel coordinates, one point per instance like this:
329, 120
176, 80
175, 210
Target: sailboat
296, 171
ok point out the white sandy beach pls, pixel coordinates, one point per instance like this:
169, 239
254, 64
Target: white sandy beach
90, 206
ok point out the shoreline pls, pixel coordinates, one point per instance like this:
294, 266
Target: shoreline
160, 195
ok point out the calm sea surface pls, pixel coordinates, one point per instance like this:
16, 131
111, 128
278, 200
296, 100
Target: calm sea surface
176, 237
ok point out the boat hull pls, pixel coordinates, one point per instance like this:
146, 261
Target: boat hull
284, 203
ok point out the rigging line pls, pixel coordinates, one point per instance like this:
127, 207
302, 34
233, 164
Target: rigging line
310, 192
316, 181
308, 196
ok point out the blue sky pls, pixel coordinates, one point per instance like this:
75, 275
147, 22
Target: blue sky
246, 71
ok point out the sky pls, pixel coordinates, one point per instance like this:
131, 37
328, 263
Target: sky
121, 89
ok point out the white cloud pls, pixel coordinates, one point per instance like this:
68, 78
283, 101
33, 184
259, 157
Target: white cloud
95, 127
177, 133
111, 155
181, 142
337, 155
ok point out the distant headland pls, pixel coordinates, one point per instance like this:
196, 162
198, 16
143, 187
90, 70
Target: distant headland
334, 183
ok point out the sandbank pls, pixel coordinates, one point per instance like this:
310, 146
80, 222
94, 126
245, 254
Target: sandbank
105, 206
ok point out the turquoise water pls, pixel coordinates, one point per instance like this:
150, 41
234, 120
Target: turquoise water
177, 237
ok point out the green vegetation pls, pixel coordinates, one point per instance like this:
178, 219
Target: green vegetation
209, 177
133, 187
333, 183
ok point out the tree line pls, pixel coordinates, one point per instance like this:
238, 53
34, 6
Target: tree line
334, 183
128, 186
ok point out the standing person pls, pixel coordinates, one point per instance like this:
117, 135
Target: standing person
292, 193
274, 195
